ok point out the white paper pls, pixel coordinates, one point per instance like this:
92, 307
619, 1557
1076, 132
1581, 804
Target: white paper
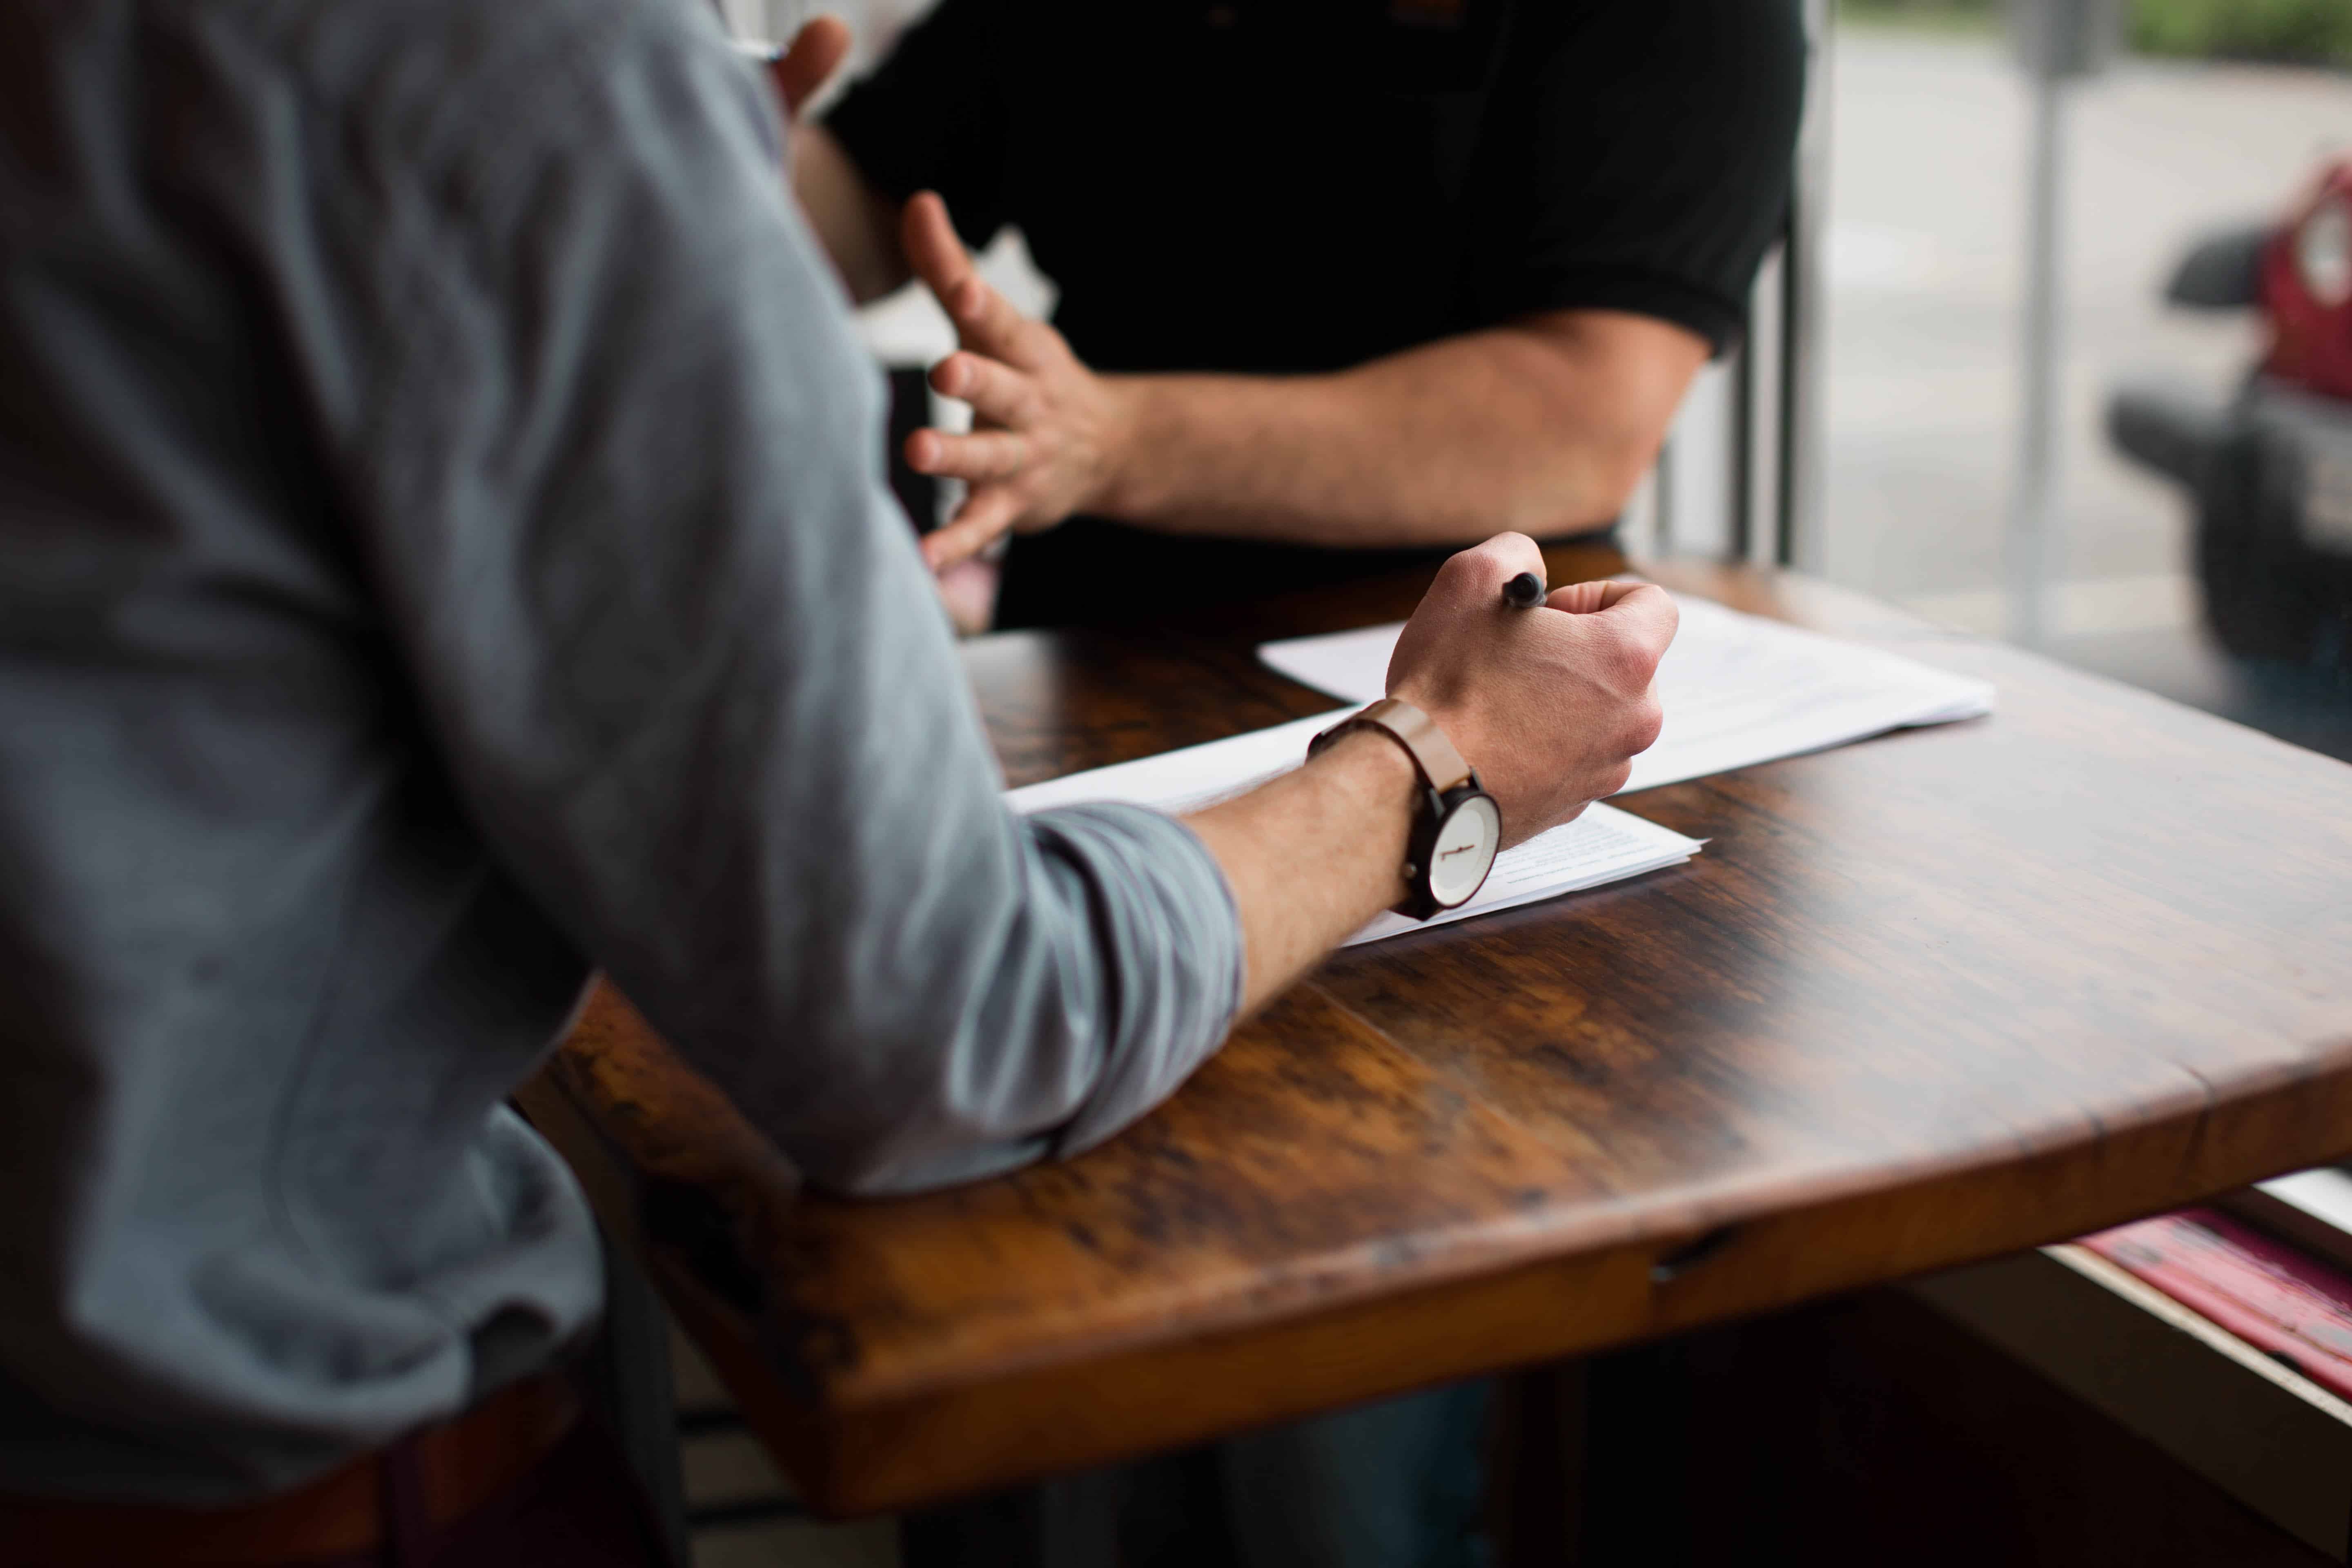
1604, 845
1738, 689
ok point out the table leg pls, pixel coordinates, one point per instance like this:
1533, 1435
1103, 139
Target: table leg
629, 1379
1068, 1522
1638, 1502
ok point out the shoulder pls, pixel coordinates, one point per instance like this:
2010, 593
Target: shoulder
1744, 46
1757, 42
456, 91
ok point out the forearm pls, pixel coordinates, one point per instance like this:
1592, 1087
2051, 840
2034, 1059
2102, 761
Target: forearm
1042, 1015
1312, 855
1543, 429
857, 225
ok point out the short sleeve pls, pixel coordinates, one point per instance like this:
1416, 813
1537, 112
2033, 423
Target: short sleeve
933, 117
1637, 158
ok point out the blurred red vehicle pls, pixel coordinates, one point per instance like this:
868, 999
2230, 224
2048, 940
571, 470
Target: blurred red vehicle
2269, 469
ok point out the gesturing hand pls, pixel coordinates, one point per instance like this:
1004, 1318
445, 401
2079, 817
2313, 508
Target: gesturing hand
1046, 430
1552, 704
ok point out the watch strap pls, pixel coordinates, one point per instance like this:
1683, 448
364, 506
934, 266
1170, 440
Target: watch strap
1446, 783
1441, 767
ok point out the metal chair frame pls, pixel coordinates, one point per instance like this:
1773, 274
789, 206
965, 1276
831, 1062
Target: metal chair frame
1775, 382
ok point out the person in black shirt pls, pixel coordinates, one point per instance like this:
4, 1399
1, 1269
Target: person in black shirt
1343, 282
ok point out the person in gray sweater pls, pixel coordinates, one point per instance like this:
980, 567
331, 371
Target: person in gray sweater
444, 550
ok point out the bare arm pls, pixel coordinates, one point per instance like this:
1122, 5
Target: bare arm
1311, 856
1545, 425
857, 225
1552, 706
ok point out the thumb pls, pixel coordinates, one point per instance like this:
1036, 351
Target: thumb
1585, 598
1644, 611
817, 51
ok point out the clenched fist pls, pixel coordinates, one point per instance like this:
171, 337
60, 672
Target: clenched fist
1550, 704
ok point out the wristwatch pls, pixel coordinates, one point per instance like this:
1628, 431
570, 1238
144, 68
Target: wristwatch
1456, 826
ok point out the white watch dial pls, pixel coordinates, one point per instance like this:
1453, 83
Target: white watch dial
1465, 847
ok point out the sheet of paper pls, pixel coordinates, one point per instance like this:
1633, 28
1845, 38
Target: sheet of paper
1604, 845
1738, 689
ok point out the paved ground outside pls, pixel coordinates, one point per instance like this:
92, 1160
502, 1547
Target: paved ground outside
1930, 153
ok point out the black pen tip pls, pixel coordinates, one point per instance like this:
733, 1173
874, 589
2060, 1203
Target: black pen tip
1524, 592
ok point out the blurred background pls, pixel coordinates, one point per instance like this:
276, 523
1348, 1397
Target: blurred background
2217, 112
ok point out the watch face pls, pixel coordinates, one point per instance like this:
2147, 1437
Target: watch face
1466, 842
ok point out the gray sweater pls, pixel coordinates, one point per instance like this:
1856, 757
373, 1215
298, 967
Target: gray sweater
443, 547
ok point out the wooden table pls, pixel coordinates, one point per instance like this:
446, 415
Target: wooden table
1926, 999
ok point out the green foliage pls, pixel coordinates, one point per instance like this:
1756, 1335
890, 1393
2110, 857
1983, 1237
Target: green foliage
2309, 32
2315, 32
1942, 15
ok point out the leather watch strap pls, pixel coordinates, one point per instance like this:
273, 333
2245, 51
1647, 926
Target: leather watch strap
1441, 765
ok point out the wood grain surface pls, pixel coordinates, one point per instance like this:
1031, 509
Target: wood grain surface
1925, 999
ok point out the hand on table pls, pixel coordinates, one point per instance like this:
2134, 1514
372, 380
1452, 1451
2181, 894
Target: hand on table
1045, 429
1550, 704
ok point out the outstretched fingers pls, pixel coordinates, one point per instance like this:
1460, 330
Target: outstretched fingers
985, 513
978, 457
933, 249
997, 393
985, 321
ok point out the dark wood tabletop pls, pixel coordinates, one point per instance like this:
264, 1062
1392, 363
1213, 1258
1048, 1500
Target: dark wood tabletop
1925, 999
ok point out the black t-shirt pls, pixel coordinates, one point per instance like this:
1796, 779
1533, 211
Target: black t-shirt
1299, 185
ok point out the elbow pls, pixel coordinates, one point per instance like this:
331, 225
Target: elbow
918, 1151
1619, 469
889, 1177
1031, 1026
1603, 389
971, 1082
1586, 486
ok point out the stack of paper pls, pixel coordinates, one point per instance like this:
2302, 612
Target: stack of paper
1604, 845
1738, 689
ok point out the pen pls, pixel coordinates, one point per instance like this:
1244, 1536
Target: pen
1524, 592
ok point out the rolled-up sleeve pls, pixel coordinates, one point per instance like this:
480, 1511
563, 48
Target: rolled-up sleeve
613, 461
1147, 925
